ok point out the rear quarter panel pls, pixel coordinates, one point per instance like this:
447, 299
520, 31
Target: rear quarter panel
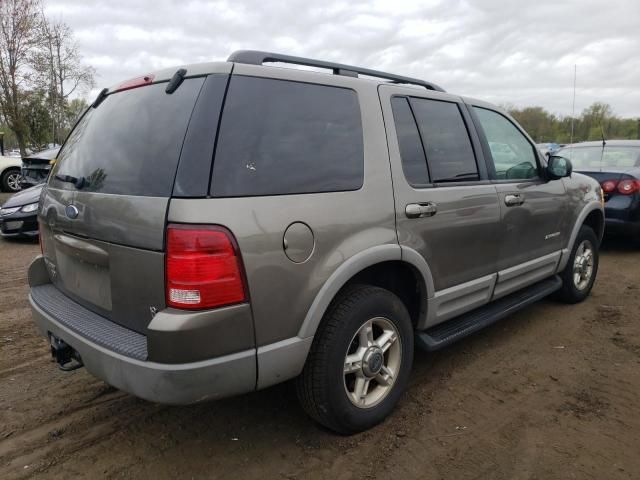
343, 223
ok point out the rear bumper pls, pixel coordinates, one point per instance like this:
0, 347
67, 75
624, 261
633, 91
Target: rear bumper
622, 215
122, 363
120, 356
617, 226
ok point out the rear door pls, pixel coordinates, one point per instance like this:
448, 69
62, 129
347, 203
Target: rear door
446, 207
103, 216
532, 208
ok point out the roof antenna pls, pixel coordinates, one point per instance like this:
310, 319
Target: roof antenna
573, 105
604, 142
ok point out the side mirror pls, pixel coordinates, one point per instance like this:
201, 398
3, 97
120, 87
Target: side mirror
558, 167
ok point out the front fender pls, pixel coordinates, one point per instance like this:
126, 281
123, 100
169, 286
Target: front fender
591, 206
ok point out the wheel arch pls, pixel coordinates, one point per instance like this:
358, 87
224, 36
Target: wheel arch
595, 220
388, 266
592, 215
9, 168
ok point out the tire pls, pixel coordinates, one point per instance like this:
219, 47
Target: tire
10, 180
575, 290
326, 392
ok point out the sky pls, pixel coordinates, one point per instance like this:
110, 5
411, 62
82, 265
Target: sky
509, 52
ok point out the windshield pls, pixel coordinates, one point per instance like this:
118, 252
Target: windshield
130, 144
596, 157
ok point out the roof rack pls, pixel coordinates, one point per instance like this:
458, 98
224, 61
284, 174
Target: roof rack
255, 57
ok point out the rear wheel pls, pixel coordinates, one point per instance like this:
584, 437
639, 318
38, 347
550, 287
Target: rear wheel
359, 362
10, 180
581, 270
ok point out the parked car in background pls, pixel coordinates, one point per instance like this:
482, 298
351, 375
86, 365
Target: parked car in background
343, 221
616, 166
36, 167
548, 148
13, 153
10, 173
19, 214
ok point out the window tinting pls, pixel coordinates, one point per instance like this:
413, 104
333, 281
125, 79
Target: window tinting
282, 137
446, 141
414, 163
513, 155
131, 143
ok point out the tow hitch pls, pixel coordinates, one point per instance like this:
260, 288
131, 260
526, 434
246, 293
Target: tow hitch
68, 359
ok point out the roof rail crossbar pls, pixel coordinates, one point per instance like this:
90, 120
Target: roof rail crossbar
255, 57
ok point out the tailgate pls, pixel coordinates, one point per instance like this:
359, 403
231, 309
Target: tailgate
103, 215
107, 259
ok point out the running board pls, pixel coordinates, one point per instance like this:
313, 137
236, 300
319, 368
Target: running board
446, 333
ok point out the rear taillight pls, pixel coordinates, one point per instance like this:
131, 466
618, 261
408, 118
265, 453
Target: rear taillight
203, 267
625, 187
628, 187
609, 186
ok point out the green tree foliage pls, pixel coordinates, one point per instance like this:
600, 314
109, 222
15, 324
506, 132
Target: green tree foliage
38, 119
593, 122
40, 69
19, 38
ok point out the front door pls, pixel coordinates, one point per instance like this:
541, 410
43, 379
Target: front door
531, 207
446, 207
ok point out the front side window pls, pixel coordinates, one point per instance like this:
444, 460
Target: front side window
514, 157
446, 141
280, 137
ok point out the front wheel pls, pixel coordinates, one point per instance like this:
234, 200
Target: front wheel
359, 362
581, 270
10, 180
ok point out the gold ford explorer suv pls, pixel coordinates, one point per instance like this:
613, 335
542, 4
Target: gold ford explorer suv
219, 228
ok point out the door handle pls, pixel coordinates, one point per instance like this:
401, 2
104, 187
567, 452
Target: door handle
514, 199
420, 210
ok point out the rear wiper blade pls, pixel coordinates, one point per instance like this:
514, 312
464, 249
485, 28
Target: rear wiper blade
175, 81
101, 96
79, 182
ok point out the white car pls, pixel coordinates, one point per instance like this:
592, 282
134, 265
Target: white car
10, 173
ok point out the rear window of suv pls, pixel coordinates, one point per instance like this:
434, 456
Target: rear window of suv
130, 144
282, 137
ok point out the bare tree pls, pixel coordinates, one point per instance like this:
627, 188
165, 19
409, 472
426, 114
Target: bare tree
60, 62
20, 27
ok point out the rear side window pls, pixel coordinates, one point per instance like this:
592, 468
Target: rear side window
414, 163
446, 141
282, 137
130, 144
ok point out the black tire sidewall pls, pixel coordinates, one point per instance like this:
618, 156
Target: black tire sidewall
380, 304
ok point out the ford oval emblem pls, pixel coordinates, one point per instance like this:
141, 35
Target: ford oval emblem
71, 211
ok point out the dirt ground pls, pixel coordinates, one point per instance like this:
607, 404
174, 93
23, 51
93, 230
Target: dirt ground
552, 392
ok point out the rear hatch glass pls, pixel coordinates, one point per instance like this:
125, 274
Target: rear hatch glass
130, 144
103, 237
